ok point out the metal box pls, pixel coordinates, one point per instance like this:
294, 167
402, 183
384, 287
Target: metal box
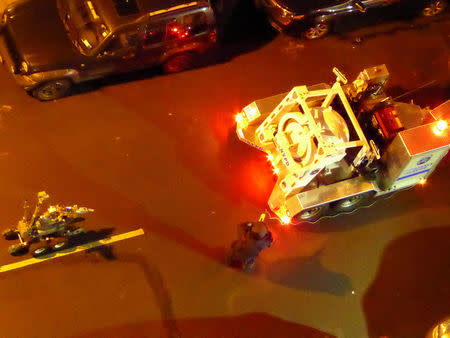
413, 155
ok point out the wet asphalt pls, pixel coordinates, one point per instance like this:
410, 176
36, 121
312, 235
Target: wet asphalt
159, 152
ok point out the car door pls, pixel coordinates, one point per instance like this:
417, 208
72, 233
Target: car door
116, 55
200, 30
191, 31
151, 43
358, 13
378, 11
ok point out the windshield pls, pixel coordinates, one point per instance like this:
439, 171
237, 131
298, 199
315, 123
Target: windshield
85, 27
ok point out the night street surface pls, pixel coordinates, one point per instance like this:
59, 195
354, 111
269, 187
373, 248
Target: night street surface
159, 152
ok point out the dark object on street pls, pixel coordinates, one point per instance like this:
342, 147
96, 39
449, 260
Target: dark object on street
358, 40
315, 19
254, 237
86, 40
50, 227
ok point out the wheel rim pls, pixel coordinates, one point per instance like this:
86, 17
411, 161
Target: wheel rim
52, 90
59, 245
350, 202
317, 31
40, 251
310, 213
434, 8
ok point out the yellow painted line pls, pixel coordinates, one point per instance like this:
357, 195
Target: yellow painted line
66, 252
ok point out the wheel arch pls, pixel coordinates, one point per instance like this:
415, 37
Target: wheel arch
41, 77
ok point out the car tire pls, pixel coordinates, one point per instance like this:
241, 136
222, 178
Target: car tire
10, 234
52, 90
317, 31
179, 62
434, 8
18, 249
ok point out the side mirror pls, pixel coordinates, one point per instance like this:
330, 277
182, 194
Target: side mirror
359, 6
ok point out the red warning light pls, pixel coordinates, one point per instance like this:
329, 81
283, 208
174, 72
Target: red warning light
178, 32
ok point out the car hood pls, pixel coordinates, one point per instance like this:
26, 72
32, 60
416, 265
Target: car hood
305, 7
39, 36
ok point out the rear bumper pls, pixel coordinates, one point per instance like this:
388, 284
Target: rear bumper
276, 25
295, 24
263, 6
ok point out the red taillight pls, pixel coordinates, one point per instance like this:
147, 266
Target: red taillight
213, 36
178, 32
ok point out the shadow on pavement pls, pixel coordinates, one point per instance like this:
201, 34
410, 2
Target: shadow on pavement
93, 236
260, 325
307, 273
105, 251
153, 277
84, 239
411, 290
162, 297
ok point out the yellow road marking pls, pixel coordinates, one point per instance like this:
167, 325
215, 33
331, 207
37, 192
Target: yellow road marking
62, 253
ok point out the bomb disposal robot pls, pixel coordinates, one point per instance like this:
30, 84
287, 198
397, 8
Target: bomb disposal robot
50, 227
336, 148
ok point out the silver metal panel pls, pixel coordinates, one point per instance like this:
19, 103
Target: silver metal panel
268, 104
442, 111
328, 193
377, 74
422, 165
411, 115
266, 107
423, 139
395, 159
413, 154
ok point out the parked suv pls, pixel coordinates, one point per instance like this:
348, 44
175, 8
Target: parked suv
315, 18
80, 40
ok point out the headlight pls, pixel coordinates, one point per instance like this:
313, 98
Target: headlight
23, 68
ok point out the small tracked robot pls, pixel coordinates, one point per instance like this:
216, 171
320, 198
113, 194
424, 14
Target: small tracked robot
50, 228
